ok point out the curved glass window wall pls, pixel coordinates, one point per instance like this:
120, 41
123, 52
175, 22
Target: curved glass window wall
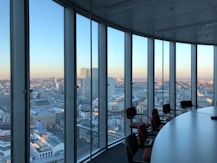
100, 53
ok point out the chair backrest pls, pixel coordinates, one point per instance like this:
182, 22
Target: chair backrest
154, 112
186, 104
155, 121
189, 103
131, 112
142, 134
131, 146
166, 108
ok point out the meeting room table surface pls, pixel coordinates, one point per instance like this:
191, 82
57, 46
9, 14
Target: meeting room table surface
189, 138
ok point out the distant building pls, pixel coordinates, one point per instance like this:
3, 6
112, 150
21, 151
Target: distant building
59, 115
111, 86
46, 148
40, 103
86, 80
116, 104
5, 117
5, 152
46, 116
85, 72
95, 83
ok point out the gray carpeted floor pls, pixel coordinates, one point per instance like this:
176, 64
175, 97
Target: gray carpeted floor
116, 154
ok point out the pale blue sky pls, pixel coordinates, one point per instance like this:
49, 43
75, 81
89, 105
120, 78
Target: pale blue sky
4, 39
46, 39
47, 44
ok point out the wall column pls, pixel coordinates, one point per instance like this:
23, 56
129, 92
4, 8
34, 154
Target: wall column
173, 75
70, 85
103, 85
150, 75
194, 74
19, 31
128, 76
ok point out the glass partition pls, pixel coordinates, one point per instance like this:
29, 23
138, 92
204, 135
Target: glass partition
139, 75
183, 73
205, 67
161, 72
84, 107
115, 80
46, 81
87, 81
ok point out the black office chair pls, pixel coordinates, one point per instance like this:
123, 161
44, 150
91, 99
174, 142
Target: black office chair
156, 122
169, 112
145, 139
131, 146
187, 105
131, 114
161, 117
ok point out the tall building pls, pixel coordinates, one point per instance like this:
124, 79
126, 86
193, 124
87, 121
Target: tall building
95, 82
111, 86
85, 73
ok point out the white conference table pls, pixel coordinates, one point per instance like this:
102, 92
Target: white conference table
189, 138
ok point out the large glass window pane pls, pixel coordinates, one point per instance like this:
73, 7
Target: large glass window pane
87, 92
161, 59
139, 75
205, 75
46, 81
5, 87
183, 73
84, 107
95, 82
115, 80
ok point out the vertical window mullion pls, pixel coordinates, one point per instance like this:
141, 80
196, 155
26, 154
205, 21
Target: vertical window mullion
173, 75
215, 76
102, 43
70, 85
19, 81
150, 74
194, 73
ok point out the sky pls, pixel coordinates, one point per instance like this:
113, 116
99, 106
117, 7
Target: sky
4, 39
47, 47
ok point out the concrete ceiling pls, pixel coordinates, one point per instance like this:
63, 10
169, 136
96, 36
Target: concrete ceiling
190, 21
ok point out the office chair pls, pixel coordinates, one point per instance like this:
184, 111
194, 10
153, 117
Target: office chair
145, 139
168, 111
131, 146
131, 114
161, 117
187, 105
146, 156
156, 122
